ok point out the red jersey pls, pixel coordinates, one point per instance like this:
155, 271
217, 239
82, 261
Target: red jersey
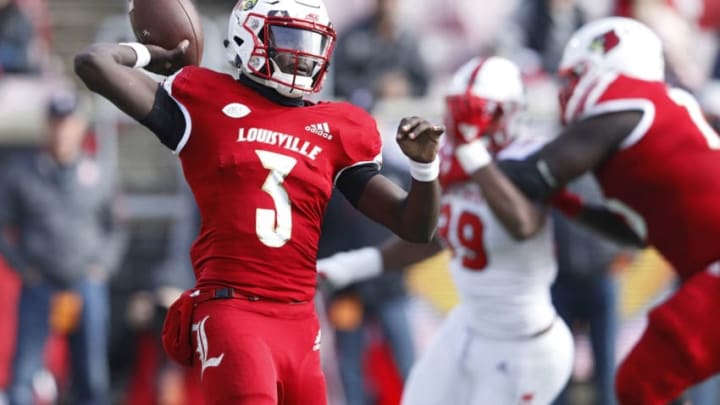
262, 174
666, 174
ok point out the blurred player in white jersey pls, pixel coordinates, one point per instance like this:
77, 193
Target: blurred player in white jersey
503, 343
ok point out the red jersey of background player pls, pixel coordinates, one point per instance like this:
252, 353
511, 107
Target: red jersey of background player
675, 155
273, 167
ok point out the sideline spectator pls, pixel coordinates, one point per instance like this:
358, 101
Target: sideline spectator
375, 60
544, 27
56, 204
148, 290
16, 36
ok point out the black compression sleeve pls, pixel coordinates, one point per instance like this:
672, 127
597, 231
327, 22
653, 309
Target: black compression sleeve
165, 119
352, 181
526, 176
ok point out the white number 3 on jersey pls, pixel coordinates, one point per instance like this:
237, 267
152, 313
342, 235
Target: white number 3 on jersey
274, 227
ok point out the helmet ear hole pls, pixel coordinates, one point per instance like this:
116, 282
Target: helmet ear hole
267, 69
237, 61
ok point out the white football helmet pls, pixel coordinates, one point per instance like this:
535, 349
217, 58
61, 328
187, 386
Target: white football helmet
607, 45
282, 44
484, 95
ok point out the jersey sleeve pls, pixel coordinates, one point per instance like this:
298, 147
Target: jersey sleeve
179, 87
616, 93
361, 140
165, 120
351, 183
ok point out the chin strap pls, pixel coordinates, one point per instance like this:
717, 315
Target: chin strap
270, 93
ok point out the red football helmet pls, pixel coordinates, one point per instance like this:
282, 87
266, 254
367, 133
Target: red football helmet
484, 97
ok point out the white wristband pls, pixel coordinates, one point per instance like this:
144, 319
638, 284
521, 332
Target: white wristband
473, 156
143, 54
425, 171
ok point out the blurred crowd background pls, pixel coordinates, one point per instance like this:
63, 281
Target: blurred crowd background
113, 226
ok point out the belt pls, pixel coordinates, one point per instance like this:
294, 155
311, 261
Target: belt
202, 295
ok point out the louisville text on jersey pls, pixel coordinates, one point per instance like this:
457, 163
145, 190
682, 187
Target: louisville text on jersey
289, 142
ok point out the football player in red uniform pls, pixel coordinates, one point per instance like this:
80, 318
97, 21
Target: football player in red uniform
262, 162
658, 163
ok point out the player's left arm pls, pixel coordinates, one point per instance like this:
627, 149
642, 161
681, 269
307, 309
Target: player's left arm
410, 215
580, 148
344, 268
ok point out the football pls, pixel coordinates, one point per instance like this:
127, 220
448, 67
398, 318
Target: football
166, 23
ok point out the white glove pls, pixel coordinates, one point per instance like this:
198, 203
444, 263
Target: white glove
473, 156
344, 268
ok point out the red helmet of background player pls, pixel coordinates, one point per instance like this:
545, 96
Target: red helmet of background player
483, 99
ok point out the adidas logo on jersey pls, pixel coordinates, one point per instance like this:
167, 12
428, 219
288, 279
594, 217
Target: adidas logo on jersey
321, 129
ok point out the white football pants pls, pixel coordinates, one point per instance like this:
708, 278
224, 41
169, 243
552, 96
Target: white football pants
460, 367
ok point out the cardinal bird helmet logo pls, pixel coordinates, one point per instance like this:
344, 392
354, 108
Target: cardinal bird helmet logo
605, 43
